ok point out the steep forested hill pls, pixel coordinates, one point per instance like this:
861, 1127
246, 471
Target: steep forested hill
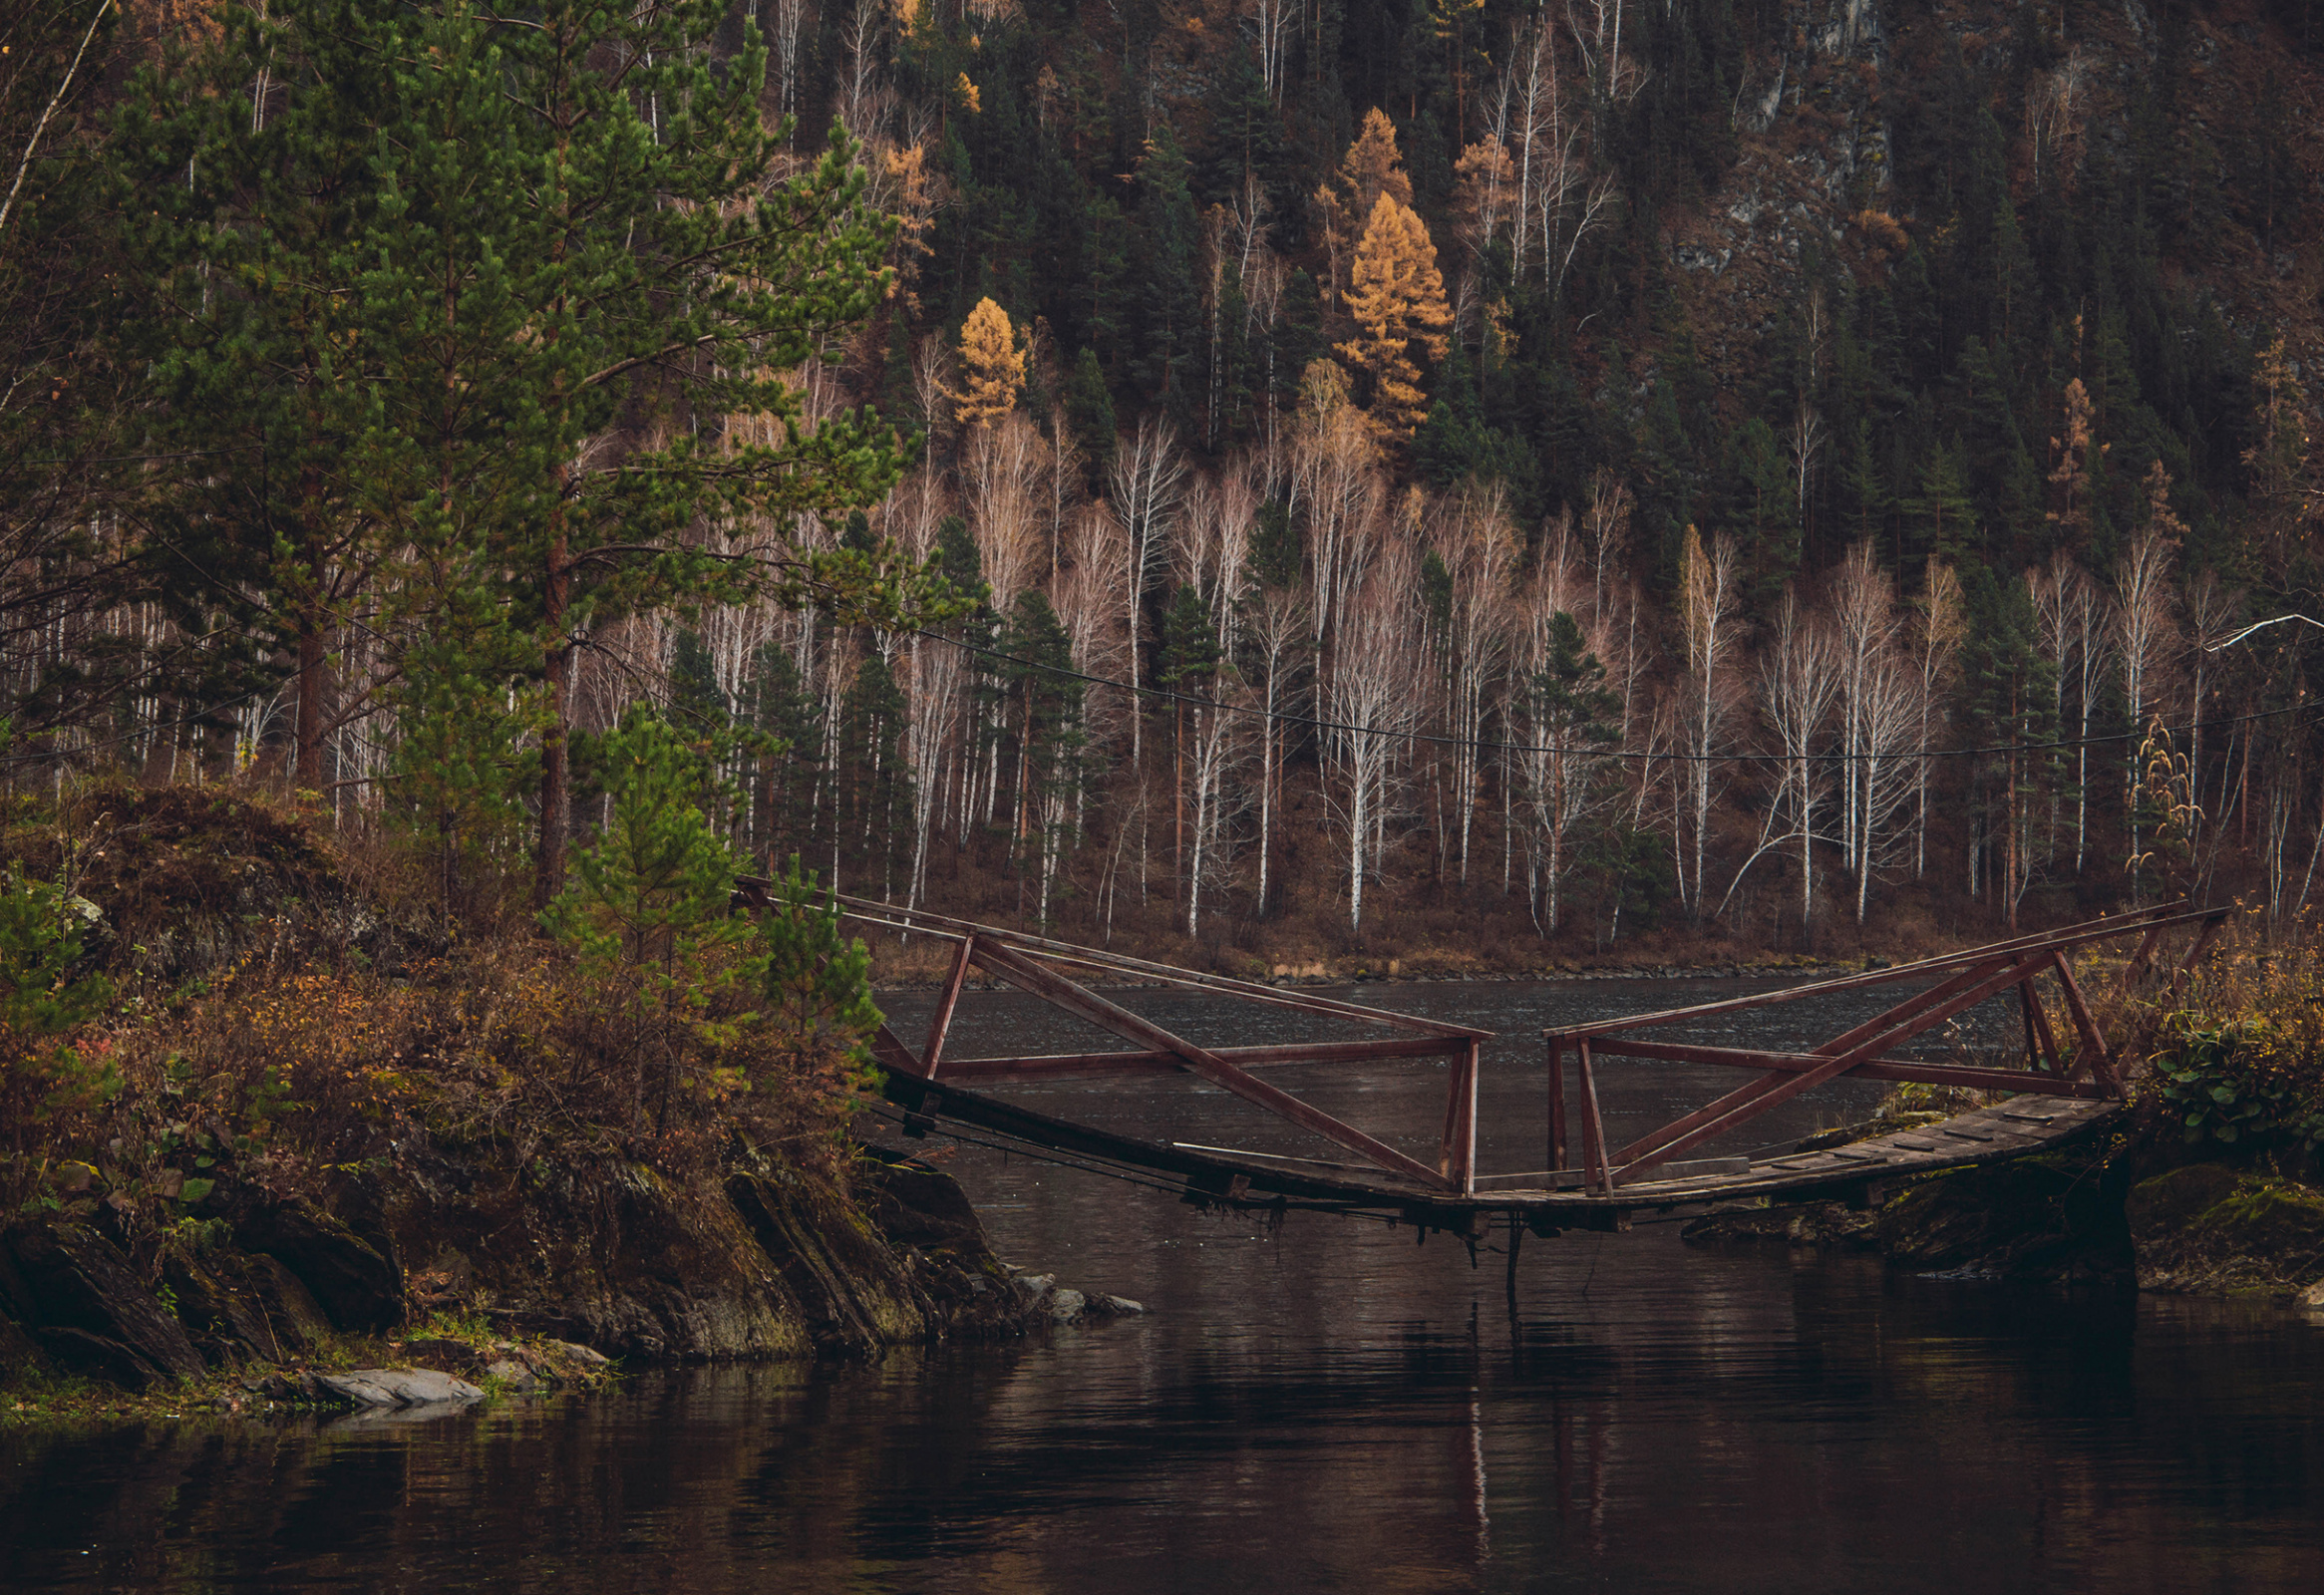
1448, 475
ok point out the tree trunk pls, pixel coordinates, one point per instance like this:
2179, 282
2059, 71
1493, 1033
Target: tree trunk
309, 772
555, 785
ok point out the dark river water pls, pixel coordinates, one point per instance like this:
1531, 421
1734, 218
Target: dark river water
1326, 1407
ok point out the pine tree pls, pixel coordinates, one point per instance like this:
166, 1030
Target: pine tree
576, 221
1168, 305
647, 913
1397, 299
1089, 412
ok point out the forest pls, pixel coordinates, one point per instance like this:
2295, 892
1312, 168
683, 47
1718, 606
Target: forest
1259, 480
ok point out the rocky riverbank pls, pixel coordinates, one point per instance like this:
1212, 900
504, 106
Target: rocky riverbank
435, 1277
2134, 1207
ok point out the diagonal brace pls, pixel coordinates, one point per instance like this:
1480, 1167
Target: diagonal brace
1074, 999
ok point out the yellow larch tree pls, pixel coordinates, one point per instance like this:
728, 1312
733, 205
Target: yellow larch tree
1372, 167
992, 366
1397, 299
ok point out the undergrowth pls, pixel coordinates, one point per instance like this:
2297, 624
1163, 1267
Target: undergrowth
335, 1023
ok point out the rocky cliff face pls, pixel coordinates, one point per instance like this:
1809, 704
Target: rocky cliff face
602, 1252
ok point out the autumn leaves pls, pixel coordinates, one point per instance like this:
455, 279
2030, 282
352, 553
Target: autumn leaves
1391, 287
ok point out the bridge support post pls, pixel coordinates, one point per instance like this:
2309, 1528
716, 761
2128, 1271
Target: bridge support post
1557, 1137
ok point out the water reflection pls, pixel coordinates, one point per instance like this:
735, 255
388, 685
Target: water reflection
1330, 1406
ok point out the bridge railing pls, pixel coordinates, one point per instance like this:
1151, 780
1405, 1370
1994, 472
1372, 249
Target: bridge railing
1060, 974
1958, 982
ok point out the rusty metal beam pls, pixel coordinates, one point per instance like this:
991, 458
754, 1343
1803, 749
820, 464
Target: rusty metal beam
2069, 936
1557, 1137
1019, 970
2038, 1034
1054, 1066
1594, 1127
934, 1054
872, 912
1965, 1076
1900, 1021
2093, 1057
1752, 1099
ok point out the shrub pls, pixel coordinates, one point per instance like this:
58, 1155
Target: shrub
43, 997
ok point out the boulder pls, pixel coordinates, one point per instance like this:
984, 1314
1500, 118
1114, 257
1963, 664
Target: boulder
916, 1205
360, 1288
297, 1323
514, 1376
2053, 1217
397, 1387
2213, 1229
89, 1310
841, 1278
225, 1318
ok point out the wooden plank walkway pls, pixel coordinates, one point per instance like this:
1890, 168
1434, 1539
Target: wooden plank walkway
1222, 1175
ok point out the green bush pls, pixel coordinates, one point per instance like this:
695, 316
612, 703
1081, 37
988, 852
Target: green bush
43, 926
2239, 1080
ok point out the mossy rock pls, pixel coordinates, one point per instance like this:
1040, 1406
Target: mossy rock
2215, 1230
2049, 1218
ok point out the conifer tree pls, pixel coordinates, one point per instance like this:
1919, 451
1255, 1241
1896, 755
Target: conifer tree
647, 913
1398, 299
1169, 308
993, 364
573, 278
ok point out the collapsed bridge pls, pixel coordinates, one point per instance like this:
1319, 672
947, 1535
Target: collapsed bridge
2069, 1078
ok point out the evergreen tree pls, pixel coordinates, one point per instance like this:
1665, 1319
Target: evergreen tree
1168, 306
647, 913
546, 244
992, 365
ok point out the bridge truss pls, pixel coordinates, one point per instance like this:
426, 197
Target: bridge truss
2071, 1078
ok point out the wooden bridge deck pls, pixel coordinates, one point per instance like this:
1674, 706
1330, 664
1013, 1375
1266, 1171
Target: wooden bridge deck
1216, 1175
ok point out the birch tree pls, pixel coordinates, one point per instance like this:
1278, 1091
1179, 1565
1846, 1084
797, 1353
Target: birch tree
1708, 600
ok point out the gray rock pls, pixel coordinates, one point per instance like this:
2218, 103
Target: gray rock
1035, 1286
2313, 1295
581, 1354
397, 1387
1116, 1306
513, 1375
1065, 1305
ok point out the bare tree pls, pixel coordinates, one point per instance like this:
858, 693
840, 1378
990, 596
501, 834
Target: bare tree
1708, 600
1273, 26
1371, 711
1336, 463
1219, 750
1800, 681
2146, 638
1888, 728
1147, 477
1275, 633
1004, 466
1937, 647
1474, 539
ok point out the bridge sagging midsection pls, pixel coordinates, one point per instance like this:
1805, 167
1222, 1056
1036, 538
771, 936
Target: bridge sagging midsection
2059, 1089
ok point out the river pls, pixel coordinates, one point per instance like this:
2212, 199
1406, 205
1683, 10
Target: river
1321, 1405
